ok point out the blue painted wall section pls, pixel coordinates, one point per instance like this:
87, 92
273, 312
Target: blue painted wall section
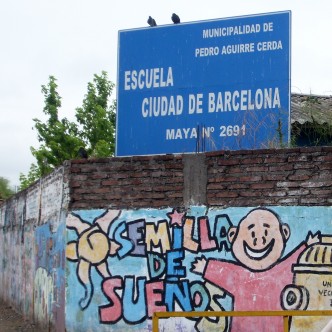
50, 272
122, 265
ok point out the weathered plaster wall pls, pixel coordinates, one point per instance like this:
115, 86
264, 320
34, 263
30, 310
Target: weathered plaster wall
32, 232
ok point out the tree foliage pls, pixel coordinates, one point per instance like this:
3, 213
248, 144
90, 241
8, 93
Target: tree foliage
58, 137
96, 117
61, 139
5, 190
32, 176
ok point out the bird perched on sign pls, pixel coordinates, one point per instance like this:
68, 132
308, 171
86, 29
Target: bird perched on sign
151, 21
175, 18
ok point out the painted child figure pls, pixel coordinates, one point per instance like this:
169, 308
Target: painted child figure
258, 277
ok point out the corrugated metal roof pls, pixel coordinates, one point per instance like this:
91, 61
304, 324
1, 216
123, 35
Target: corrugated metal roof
310, 108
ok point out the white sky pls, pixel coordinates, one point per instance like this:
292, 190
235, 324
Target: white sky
75, 39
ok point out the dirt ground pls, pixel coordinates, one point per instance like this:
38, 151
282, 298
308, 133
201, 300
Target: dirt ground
11, 321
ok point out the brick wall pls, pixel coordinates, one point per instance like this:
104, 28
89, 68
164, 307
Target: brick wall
126, 182
270, 177
299, 176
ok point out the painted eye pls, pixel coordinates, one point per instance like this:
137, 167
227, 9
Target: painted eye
252, 234
266, 232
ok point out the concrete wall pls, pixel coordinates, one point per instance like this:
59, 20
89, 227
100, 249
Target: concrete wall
101, 244
32, 232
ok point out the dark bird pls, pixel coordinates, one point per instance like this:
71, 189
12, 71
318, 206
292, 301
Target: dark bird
175, 18
151, 21
82, 153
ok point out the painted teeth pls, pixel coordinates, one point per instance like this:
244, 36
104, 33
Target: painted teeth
256, 254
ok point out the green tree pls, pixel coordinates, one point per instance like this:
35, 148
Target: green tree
61, 139
5, 190
58, 137
96, 117
32, 176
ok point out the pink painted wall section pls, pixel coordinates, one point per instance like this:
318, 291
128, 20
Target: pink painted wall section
32, 229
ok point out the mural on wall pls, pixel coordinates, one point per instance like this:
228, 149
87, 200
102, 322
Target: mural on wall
49, 276
125, 265
43, 295
91, 250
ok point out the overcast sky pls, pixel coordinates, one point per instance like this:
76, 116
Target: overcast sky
75, 39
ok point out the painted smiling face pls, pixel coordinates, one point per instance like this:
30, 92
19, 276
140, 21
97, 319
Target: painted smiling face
259, 240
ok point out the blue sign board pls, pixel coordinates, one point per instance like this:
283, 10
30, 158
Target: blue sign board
204, 86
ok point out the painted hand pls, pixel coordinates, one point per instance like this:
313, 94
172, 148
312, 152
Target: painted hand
312, 239
198, 266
